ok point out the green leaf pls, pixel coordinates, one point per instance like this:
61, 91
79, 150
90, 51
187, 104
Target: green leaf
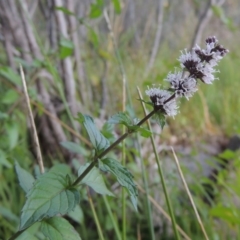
77, 215
225, 213
13, 134
26, 235
144, 132
160, 118
49, 196
121, 118
74, 147
123, 176
107, 131
219, 12
26, 180
66, 48
93, 38
10, 97
146, 102
8, 214
97, 139
96, 9
10, 75
65, 10
94, 180
57, 228
227, 154
3, 160
117, 6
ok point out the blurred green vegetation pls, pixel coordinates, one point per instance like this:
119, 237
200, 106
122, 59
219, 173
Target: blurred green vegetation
213, 111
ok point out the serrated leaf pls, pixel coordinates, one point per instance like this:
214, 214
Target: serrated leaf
57, 228
123, 176
107, 131
97, 139
49, 196
25, 179
94, 180
160, 119
74, 147
121, 118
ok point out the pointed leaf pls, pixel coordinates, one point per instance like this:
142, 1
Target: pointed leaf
49, 196
77, 214
57, 228
97, 139
144, 132
3, 160
25, 179
160, 118
65, 10
146, 102
74, 147
94, 180
121, 118
123, 176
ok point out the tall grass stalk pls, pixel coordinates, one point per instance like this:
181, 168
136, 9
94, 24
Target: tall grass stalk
162, 178
189, 195
113, 219
95, 217
153, 201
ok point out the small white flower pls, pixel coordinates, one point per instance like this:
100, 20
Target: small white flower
170, 108
174, 79
159, 98
207, 72
157, 95
187, 57
183, 86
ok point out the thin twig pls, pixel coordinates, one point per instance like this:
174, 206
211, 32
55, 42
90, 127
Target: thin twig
33, 127
189, 195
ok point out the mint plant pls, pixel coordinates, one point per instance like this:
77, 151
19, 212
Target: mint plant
56, 192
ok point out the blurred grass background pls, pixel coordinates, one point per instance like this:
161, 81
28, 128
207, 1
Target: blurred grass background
209, 118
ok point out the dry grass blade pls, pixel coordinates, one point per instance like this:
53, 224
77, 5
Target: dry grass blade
33, 127
164, 213
189, 195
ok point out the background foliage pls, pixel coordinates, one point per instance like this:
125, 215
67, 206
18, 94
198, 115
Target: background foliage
73, 65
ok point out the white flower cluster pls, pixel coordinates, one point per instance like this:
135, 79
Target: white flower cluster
199, 63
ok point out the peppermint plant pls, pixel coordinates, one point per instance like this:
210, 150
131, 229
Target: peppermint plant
56, 192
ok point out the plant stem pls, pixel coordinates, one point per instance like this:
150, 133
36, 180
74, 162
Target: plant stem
115, 226
166, 193
145, 181
107, 150
95, 218
163, 181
